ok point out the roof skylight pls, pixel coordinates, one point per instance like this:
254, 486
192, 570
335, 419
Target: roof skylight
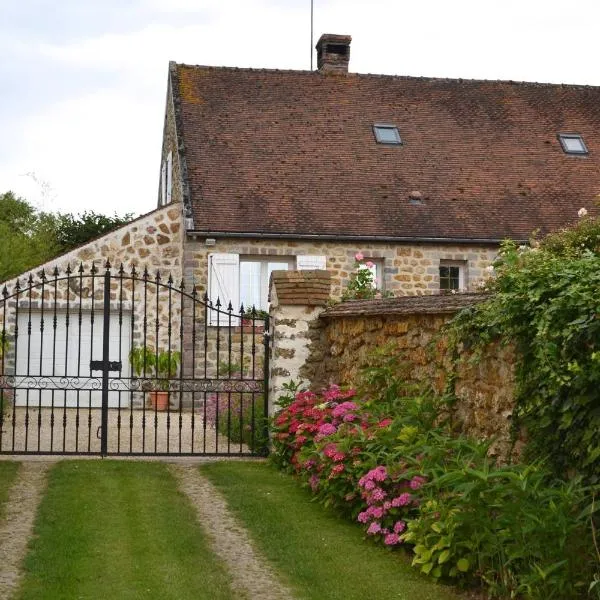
572, 143
386, 134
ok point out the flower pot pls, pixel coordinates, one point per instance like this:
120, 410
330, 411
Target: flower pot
159, 400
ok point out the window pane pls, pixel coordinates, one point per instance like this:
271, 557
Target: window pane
373, 270
387, 135
250, 284
276, 266
449, 278
573, 144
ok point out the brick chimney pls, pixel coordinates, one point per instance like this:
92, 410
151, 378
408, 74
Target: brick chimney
333, 53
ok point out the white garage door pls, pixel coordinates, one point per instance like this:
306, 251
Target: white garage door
47, 363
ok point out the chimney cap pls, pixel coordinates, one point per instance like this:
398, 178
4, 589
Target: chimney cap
333, 38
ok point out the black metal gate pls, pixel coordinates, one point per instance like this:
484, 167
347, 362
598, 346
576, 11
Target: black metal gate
124, 363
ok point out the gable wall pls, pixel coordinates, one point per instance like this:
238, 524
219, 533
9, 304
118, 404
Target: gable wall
409, 269
153, 241
170, 144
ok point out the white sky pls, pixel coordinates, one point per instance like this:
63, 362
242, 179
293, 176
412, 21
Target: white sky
83, 82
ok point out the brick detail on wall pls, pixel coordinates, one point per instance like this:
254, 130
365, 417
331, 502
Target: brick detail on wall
308, 288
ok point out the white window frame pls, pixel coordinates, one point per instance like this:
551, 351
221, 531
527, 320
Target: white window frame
169, 177
287, 263
224, 279
462, 274
163, 183
376, 270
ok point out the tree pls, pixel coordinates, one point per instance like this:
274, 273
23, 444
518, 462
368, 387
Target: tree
73, 231
29, 237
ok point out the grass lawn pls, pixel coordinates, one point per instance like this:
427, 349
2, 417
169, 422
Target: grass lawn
8, 473
122, 531
322, 556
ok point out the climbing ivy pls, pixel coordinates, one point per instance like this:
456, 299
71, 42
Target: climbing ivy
545, 300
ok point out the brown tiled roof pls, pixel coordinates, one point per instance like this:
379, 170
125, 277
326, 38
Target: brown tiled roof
406, 305
293, 152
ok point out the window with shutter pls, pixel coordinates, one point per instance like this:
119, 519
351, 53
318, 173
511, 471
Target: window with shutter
245, 280
169, 177
163, 183
223, 285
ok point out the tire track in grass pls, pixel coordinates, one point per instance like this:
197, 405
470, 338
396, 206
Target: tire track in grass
252, 576
16, 528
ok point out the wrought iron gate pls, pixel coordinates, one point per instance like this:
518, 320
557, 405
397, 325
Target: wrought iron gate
124, 363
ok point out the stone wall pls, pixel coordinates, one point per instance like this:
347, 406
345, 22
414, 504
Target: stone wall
171, 144
408, 269
75, 281
351, 331
297, 300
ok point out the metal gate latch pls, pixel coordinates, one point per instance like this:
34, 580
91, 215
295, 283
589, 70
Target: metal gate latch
113, 365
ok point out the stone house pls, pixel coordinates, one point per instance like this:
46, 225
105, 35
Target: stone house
293, 170
266, 170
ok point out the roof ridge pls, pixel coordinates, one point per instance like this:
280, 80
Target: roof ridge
386, 76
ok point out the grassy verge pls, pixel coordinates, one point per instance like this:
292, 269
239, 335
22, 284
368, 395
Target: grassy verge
119, 530
8, 473
321, 556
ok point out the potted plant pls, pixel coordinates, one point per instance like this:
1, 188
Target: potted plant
158, 365
252, 315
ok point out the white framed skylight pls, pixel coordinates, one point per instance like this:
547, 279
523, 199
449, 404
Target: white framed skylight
572, 143
387, 134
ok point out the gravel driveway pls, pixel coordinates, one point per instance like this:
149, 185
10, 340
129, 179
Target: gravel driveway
130, 431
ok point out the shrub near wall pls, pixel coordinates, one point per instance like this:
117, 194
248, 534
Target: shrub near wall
546, 302
383, 459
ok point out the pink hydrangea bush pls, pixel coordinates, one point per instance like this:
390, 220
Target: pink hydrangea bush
339, 447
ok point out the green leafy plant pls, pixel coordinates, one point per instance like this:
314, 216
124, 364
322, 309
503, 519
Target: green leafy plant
385, 456
545, 302
361, 285
159, 365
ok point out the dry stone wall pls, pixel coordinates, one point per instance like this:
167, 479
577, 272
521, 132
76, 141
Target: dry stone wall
349, 333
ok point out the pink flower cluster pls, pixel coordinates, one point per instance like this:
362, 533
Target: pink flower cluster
322, 437
386, 503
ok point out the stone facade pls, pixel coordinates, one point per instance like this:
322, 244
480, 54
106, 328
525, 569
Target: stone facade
350, 332
74, 282
408, 269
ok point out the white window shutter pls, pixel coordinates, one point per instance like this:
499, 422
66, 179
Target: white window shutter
306, 262
224, 285
163, 183
169, 176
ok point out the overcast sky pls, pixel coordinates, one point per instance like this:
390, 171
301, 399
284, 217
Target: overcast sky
83, 82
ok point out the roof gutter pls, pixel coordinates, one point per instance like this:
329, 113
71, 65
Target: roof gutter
345, 238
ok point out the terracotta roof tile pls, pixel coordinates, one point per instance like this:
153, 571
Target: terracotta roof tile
293, 152
406, 305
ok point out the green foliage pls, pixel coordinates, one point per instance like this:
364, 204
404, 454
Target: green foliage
546, 302
361, 285
27, 237
388, 459
30, 237
73, 231
148, 362
241, 418
513, 527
